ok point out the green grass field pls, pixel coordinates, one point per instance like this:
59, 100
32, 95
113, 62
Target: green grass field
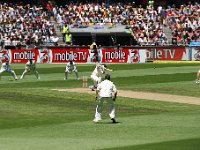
34, 117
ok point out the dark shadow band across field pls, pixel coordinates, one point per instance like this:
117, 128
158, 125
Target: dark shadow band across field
60, 68
186, 144
161, 78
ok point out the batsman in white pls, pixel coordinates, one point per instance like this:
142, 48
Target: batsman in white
71, 67
106, 91
30, 65
6, 68
96, 74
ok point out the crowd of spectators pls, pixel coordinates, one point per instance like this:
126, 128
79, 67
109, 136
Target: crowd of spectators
147, 28
146, 24
143, 22
31, 24
184, 23
24, 24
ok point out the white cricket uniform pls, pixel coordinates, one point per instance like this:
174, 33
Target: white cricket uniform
96, 74
198, 77
6, 68
28, 67
106, 88
71, 68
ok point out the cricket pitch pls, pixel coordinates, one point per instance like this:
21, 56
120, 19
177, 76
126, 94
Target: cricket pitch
143, 95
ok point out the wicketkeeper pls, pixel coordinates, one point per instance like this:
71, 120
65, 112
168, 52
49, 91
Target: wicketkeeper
30, 66
71, 67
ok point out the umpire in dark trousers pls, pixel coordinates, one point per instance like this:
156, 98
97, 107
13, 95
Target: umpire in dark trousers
106, 91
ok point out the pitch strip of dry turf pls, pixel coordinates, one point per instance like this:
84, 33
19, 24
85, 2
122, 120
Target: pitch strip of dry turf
143, 95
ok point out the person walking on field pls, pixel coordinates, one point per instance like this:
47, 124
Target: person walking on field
71, 67
106, 91
30, 65
96, 74
6, 68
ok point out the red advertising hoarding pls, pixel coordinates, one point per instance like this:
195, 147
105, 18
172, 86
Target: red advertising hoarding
103, 55
164, 53
22, 56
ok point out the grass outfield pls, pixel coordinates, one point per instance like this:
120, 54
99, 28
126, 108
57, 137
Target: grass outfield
34, 117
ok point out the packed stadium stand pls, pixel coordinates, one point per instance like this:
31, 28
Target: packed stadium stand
107, 24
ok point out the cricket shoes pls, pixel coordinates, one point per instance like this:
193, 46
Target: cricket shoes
197, 81
65, 78
15, 77
113, 120
93, 88
96, 120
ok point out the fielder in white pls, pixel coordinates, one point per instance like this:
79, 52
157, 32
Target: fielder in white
96, 74
106, 91
30, 65
71, 67
198, 77
6, 68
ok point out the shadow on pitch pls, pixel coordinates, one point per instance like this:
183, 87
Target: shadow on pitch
117, 122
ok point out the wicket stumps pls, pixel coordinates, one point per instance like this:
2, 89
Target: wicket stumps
85, 81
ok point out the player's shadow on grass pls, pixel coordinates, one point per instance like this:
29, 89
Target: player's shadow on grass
106, 122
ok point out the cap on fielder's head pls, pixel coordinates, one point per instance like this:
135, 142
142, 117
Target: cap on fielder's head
107, 77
